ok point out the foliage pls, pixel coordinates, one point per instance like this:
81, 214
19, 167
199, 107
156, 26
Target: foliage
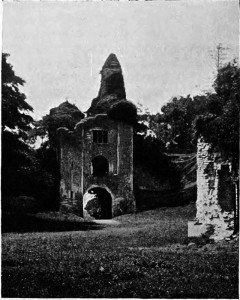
15, 109
49, 176
32, 179
23, 173
17, 158
215, 116
123, 110
176, 122
146, 140
147, 122
155, 162
65, 115
117, 109
219, 125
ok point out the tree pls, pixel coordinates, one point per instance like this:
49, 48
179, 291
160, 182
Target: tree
219, 55
213, 115
146, 140
175, 127
15, 109
65, 115
219, 125
17, 158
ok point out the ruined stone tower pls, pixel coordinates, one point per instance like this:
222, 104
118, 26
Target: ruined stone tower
96, 158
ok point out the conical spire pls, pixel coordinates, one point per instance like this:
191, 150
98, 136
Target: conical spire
112, 84
112, 78
111, 62
111, 97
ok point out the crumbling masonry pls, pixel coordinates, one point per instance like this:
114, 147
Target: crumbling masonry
216, 197
96, 159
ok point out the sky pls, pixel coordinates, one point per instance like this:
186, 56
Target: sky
164, 48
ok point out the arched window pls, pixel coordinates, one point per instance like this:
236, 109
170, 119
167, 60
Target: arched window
100, 166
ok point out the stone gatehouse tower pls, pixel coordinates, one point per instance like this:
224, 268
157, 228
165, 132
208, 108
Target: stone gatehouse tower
96, 158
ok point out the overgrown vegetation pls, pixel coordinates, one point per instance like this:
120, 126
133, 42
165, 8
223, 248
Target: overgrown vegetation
35, 173
219, 125
144, 255
24, 172
17, 157
215, 116
156, 162
65, 115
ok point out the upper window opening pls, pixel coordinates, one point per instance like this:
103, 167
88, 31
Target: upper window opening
100, 136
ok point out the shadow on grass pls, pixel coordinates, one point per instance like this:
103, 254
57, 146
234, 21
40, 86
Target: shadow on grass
27, 223
190, 296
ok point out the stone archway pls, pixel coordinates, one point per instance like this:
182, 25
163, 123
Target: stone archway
97, 203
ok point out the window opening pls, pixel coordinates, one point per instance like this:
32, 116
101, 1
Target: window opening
100, 166
100, 136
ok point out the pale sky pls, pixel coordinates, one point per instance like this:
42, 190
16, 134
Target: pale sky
164, 47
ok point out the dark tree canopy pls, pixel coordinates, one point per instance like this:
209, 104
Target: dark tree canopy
148, 154
175, 124
219, 125
17, 157
25, 171
65, 115
15, 109
215, 116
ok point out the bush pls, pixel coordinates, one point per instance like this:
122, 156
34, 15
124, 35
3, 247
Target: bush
21, 205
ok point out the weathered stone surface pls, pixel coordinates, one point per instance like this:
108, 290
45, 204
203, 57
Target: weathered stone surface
111, 99
190, 245
77, 153
112, 79
215, 192
96, 139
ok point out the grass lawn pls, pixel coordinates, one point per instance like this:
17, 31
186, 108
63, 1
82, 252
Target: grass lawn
145, 255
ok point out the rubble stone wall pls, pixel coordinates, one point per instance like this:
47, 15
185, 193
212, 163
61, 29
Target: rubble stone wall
215, 191
77, 152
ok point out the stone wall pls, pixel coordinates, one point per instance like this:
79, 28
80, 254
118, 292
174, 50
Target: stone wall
77, 152
97, 156
71, 170
215, 192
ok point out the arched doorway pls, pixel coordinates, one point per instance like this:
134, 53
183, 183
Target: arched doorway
98, 203
100, 166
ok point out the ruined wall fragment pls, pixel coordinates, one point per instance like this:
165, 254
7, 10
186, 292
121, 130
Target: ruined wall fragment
215, 191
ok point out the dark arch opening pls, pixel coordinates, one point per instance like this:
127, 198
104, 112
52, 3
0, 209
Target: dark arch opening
100, 166
101, 206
